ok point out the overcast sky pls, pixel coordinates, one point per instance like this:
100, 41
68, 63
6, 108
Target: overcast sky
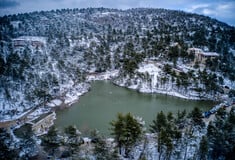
223, 10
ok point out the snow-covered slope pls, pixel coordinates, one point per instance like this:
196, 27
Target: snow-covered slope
47, 55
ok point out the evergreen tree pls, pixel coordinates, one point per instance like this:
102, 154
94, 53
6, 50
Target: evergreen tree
127, 131
118, 130
5, 151
196, 115
51, 141
73, 141
181, 119
203, 148
71, 131
170, 117
167, 132
2, 65
101, 150
221, 137
158, 123
27, 143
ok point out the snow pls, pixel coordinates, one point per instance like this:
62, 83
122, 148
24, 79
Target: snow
73, 95
229, 83
110, 140
102, 76
104, 14
149, 78
196, 50
15, 24
68, 87
15, 117
69, 91
150, 68
86, 140
149, 147
31, 38
155, 73
55, 102
232, 51
200, 51
214, 54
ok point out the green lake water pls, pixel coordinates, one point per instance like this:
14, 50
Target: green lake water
98, 107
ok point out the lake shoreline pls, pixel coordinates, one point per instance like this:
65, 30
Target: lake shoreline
66, 101
110, 98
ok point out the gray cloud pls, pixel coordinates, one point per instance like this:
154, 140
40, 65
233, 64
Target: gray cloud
8, 3
224, 10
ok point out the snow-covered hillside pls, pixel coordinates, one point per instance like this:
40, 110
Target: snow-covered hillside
51, 55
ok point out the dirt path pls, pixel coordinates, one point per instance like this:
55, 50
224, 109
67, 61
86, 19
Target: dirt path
24, 118
20, 120
7, 124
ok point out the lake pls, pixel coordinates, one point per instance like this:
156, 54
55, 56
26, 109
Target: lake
97, 108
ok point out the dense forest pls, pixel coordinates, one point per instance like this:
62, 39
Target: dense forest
49, 55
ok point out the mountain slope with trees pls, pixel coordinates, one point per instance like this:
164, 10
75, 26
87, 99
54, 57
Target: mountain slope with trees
47, 55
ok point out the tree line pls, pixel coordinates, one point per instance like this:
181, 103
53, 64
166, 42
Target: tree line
173, 136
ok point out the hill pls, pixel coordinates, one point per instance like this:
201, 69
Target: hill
47, 56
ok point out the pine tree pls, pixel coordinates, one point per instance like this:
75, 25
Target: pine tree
127, 131
170, 117
181, 118
118, 130
158, 123
73, 141
5, 151
101, 150
196, 115
133, 132
51, 138
165, 144
203, 148
71, 131
167, 131
221, 138
169, 147
51, 141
